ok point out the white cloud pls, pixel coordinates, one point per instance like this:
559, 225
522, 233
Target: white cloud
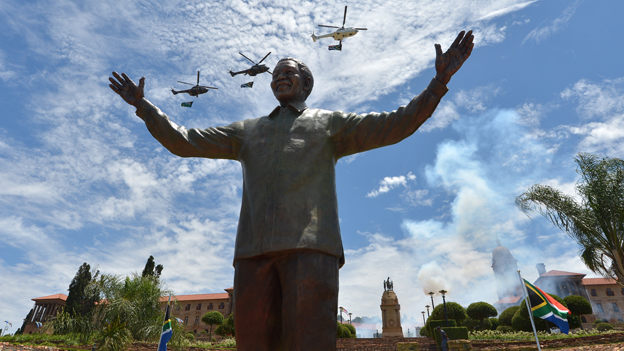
389, 183
542, 32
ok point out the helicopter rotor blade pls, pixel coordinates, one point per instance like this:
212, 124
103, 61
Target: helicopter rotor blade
246, 57
185, 83
322, 25
267, 55
197, 77
360, 28
203, 86
345, 17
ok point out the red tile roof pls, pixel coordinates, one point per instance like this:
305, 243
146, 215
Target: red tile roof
559, 273
599, 281
52, 297
509, 299
197, 297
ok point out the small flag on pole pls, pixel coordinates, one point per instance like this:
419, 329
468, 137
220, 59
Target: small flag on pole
546, 307
11, 324
247, 85
187, 104
179, 320
167, 332
39, 324
335, 47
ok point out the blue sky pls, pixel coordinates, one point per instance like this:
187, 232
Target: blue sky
82, 180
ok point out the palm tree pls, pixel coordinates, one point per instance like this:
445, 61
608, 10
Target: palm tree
596, 222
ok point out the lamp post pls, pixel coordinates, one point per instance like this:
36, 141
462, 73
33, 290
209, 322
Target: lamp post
424, 322
350, 317
341, 309
432, 304
443, 292
428, 311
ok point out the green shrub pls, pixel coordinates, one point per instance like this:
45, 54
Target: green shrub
604, 326
504, 329
473, 324
493, 323
453, 333
190, 336
454, 311
507, 315
342, 331
351, 330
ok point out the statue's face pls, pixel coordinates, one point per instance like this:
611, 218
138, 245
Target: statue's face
288, 84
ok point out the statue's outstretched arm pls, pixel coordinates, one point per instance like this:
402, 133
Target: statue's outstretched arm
448, 63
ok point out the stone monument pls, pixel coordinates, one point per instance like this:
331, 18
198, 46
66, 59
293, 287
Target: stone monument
390, 311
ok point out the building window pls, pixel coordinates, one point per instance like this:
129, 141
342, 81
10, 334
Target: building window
210, 306
615, 307
622, 291
198, 306
177, 308
188, 307
186, 320
593, 292
599, 308
583, 319
221, 305
610, 292
197, 320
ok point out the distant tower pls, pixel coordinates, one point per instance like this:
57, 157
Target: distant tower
505, 269
390, 311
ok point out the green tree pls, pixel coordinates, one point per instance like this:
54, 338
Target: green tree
212, 318
506, 316
151, 269
596, 222
28, 316
131, 312
227, 328
578, 306
79, 301
455, 311
480, 311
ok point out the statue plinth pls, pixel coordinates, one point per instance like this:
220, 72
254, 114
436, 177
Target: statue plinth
391, 315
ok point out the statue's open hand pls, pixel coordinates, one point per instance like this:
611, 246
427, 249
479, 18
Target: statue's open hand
126, 88
449, 62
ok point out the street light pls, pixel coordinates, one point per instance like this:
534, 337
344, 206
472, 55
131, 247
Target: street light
424, 322
350, 317
443, 292
432, 304
428, 311
341, 309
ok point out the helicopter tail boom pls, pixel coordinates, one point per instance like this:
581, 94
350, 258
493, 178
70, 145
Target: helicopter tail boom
174, 92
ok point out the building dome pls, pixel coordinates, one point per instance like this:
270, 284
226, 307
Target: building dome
505, 269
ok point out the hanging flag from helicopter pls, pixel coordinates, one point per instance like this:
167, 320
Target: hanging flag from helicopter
335, 47
187, 104
247, 85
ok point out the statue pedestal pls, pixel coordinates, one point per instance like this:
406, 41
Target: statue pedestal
390, 315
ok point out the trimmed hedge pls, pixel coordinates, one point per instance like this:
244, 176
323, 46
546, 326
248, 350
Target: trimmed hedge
604, 326
453, 333
432, 324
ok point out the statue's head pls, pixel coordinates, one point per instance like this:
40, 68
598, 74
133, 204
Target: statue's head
292, 81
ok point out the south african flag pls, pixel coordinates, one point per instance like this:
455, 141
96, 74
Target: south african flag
546, 307
247, 85
335, 47
187, 104
167, 332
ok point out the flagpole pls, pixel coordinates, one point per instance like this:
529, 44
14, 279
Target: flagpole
168, 303
526, 299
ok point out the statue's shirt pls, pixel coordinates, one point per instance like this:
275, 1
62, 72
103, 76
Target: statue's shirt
288, 160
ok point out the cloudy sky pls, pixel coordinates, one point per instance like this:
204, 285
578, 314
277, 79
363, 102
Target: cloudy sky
82, 180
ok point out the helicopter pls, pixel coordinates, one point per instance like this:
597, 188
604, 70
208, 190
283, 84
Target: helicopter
195, 90
340, 34
256, 69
